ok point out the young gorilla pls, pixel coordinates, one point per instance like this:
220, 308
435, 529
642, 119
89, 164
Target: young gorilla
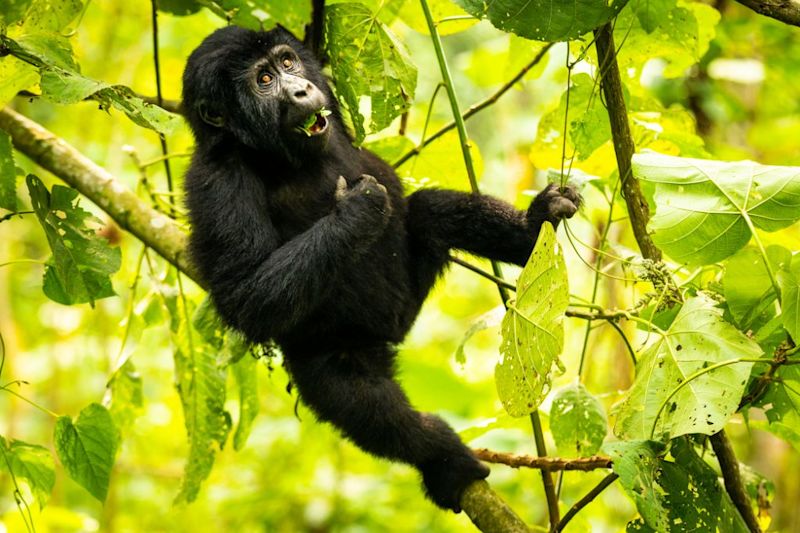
306, 240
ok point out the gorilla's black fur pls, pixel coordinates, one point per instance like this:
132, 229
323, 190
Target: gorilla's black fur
306, 240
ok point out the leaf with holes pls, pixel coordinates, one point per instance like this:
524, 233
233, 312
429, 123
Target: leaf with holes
533, 329
8, 174
32, 464
373, 73
545, 20
87, 447
82, 262
678, 389
707, 210
577, 421
789, 282
679, 495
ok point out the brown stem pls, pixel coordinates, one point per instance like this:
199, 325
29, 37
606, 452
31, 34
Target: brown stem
611, 83
586, 500
729, 466
787, 11
550, 464
639, 216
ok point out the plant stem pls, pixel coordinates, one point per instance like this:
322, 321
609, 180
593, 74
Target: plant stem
586, 500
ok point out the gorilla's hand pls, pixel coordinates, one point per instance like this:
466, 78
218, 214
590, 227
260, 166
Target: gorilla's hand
366, 199
553, 204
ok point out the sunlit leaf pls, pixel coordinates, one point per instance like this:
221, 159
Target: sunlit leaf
789, 281
8, 174
577, 421
262, 14
87, 447
413, 15
374, 76
125, 396
533, 329
652, 13
545, 20
677, 388
32, 464
244, 371
704, 207
490, 319
748, 288
82, 262
200, 381
12, 11
15, 75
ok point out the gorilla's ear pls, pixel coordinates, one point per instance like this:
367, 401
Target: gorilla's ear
209, 116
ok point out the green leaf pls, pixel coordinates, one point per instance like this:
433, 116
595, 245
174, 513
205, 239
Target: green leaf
373, 74
577, 421
15, 75
179, 7
244, 371
414, 17
125, 397
441, 164
8, 174
261, 14
706, 210
51, 15
33, 464
200, 381
490, 319
678, 389
82, 262
87, 448
12, 11
62, 83
679, 496
748, 287
781, 404
545, 20
652, 13
533, 329
789, 282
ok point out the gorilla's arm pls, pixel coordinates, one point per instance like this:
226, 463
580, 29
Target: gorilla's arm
263, 286
440, 220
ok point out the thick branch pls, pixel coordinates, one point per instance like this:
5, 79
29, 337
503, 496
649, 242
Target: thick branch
550, 464
639, 215
787, 11
611, 83
484, 507
154, 229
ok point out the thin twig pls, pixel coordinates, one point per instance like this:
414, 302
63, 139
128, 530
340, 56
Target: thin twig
549, 464
476, 108
586, 500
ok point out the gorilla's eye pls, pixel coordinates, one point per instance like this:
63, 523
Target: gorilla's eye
265, 79
287, 62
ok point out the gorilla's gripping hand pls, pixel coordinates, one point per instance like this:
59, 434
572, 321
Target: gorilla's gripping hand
553, 204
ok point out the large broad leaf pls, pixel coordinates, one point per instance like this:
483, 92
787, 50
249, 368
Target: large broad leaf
748, 287
62, 83
789, 281
8, 174
200, 380
533, 329
577, 421
673, 496
545, 20
682, 385
706, 210
87, 447
33, 464
374, 75
82, 262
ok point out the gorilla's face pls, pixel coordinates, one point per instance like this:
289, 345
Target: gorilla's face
264, 88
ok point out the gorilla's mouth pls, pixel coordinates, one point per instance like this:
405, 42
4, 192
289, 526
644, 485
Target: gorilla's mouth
316, 124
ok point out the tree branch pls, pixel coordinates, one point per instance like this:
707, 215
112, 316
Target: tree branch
786, 11
484, 507
154, 229
639, 215
550, 464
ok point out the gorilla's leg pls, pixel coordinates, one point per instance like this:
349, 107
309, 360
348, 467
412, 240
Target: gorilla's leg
439, 220
356, 392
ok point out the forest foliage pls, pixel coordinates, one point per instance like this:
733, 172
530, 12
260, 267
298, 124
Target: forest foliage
118, 370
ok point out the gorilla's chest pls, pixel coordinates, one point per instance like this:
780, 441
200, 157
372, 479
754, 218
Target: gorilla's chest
295, 207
